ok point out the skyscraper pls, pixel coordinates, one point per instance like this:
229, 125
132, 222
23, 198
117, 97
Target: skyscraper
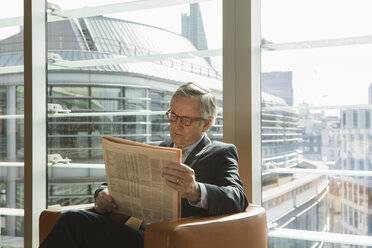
278, 83
193, 29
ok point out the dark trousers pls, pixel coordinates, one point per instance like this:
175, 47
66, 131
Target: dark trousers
80, 229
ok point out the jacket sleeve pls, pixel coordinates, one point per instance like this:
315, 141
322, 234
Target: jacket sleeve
227, 194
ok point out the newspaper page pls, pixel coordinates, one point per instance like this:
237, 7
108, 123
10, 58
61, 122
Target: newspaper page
134, 180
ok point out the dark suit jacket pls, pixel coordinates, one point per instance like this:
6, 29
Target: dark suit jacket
216, 165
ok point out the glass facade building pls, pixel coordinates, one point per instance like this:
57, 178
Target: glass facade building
294, 201
356, 192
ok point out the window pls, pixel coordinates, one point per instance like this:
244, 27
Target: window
122, 99
368, 118
11, 128
344, 120
361, 164
105, 94
355, 119
318, 62
308, 66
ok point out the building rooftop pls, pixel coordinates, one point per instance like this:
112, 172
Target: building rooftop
99, 38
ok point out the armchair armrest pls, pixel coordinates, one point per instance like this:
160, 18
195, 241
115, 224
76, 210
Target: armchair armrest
50, 216
246, 229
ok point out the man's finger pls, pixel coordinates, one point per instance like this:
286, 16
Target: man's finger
108, 198
104, 194
173, 173
179, 167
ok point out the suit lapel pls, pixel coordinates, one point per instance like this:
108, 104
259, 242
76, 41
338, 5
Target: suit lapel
198, 151
195, 153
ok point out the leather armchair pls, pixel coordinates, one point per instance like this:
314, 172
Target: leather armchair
246, 229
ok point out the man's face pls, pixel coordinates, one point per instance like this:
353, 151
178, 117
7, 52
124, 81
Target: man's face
182, 135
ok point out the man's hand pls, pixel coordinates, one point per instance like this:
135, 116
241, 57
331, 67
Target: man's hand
182, 178
104, 203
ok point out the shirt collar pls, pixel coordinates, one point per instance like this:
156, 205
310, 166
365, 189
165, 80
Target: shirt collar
189, 149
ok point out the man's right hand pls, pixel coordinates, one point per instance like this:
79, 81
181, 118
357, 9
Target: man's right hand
105, 203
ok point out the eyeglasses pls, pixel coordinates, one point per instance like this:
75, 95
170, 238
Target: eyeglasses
185, 120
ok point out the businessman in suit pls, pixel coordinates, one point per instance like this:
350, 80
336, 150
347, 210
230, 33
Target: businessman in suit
207, 180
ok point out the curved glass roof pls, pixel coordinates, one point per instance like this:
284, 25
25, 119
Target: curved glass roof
96, 38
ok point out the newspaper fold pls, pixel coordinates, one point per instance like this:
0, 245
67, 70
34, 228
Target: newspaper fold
134, 180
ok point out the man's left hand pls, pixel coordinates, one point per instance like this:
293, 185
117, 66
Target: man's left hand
182, 178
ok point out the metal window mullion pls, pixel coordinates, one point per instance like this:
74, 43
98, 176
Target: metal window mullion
12, 172
35, 118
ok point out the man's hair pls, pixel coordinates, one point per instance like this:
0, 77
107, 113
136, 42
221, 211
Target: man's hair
208, 102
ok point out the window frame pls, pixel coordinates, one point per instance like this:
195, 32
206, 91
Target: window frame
35, 118
241, 77
237, 56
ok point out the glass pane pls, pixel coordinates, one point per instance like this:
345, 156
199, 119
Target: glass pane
316, 114
123, 99
11, 125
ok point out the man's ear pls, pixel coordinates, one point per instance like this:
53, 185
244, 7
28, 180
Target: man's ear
207, 124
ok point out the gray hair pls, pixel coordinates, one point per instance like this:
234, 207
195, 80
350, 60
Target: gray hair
208, 102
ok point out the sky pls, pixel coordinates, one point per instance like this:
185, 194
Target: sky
323, 76
168, 17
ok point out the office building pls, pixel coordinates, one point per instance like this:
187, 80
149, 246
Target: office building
278, 83
356, 192
295, 201
193, 28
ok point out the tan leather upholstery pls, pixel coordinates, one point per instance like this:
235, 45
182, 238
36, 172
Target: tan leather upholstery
247, 229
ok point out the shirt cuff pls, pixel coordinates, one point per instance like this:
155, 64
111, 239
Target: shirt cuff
203, 203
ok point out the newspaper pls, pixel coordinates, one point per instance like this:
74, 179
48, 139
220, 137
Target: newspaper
134, 180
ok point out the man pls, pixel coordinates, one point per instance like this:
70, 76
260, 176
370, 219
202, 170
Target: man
207, 181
